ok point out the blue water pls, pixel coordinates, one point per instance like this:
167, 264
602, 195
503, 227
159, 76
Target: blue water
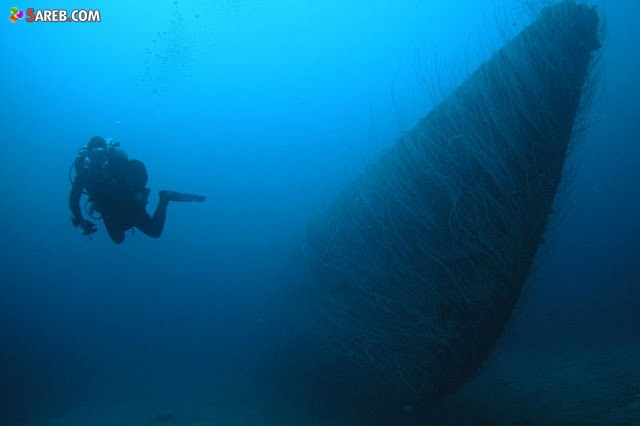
269, 108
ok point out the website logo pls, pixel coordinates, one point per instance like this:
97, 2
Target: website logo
15, 14
56, 15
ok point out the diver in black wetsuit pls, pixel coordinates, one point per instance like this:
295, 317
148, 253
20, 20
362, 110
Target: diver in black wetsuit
116, 189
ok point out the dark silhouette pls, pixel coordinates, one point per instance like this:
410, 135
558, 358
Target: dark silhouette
116, 190
421, 260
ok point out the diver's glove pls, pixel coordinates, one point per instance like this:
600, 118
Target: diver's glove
88, 228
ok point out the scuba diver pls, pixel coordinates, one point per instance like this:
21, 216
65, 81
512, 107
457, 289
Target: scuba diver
117, 192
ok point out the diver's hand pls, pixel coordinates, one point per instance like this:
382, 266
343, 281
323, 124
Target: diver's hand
88, 228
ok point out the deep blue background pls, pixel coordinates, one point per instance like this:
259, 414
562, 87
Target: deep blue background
269, 108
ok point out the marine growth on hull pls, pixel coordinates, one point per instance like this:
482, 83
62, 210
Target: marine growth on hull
420, 261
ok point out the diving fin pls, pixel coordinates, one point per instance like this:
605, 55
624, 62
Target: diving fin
179, 196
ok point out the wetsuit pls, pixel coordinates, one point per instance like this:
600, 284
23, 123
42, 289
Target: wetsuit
119, 194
